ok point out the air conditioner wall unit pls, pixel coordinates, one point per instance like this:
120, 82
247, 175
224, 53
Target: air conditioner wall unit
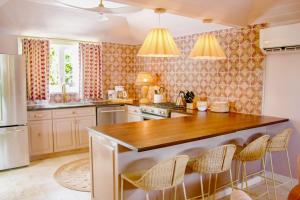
280, 38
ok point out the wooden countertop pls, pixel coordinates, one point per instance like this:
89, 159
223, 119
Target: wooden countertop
147, 135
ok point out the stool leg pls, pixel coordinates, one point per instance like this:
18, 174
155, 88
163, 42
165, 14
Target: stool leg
289, 164
175, 191
163, 193
245, 175
209, 182
239, 163
215, 189
232, 185
264, 173
184, 192
122, 185
273, 177
147, 196
202, 190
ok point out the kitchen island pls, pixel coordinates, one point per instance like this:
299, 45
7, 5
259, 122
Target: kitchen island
137, 146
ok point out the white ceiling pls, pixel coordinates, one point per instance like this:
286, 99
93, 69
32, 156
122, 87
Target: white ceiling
45, 18
230, 12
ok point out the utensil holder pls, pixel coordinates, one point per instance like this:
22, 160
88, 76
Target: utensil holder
191, 106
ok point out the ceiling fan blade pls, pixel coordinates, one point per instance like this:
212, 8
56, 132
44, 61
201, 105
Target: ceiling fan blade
120, 10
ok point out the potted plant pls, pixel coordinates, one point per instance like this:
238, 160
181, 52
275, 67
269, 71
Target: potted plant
189, 99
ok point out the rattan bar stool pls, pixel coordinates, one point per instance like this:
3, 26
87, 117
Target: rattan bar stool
279, 143
213, 162
164, 175
254, 151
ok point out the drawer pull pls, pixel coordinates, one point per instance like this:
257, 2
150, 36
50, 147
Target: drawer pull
74, 112
38, 115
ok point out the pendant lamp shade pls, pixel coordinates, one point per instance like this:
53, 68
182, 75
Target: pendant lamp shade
207, 47
159, 43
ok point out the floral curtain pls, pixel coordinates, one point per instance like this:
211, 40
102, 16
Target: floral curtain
37, 65
90, 56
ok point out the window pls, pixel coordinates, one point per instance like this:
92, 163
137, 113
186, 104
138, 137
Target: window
64, 68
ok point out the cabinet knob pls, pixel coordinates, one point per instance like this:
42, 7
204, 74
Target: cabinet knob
39, 134
74, 112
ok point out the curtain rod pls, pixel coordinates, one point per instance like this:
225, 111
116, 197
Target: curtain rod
58, 39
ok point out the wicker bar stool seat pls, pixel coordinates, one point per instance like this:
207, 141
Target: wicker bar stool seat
164, 175
279, 143
213, 162
254, 151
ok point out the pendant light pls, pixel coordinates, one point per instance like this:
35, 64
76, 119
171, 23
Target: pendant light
207, 47
159, 42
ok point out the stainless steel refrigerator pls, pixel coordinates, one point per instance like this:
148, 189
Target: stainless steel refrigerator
14, 149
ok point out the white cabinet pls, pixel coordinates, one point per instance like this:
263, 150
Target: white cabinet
64, 134
40, 137
64, 129
134, 114
82, 135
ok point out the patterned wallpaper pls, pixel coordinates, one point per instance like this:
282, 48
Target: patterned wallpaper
239, 79
118, 62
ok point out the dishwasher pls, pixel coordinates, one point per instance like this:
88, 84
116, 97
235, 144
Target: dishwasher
114, 114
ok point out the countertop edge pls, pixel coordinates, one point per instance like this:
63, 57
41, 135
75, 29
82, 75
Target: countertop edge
113, 139
76, 106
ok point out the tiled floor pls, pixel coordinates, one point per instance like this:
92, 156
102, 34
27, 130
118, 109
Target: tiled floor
282, 192
37, 183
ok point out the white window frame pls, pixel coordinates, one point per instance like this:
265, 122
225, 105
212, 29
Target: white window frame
63, 45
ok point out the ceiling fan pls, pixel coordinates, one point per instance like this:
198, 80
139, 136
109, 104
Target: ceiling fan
104, 12
102, 9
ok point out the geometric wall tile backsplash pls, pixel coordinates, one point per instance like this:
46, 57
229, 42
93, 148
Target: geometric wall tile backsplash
238, 79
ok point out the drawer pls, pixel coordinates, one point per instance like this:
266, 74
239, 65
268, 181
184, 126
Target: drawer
134, 109
39, 115
74, 112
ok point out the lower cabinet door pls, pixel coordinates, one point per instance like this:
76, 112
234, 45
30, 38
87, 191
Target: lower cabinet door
40, 137
64, 134
82, 135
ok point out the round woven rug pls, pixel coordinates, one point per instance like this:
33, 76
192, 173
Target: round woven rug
75, 175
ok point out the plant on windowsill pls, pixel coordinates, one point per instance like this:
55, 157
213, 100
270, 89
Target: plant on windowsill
189, 99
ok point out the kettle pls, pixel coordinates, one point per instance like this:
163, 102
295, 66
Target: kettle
180, 101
